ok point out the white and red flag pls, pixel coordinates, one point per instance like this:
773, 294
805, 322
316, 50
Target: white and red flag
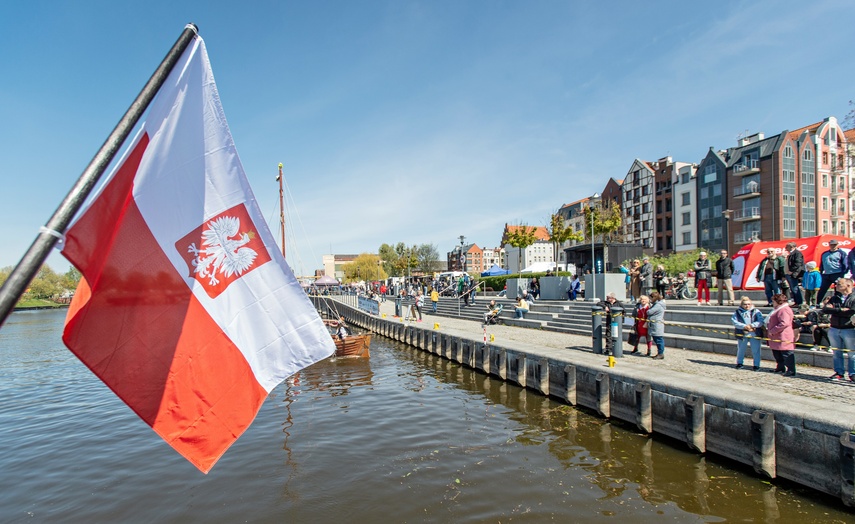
187, 310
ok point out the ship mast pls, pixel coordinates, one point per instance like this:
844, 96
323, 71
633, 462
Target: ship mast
281, 209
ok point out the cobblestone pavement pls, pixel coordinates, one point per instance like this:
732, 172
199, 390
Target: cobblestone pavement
809, 381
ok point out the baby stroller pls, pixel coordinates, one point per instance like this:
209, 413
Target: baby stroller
492, 317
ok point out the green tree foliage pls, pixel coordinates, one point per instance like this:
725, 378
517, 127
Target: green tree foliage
607, 220
427, 258
677, 262
559, 232
389, 257
521, 237
364, 267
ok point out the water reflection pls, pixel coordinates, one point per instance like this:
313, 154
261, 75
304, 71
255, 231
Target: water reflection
623, 464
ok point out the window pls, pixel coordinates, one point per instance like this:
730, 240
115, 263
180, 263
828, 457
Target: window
705, 192
658, 206
806, 155
825, 158
687, 198
716, 190
687, 219
825, 227
645, 190
687, 238
825, 203
710, 174
824, 180
788, 152
684, 178
645, 208
842, 228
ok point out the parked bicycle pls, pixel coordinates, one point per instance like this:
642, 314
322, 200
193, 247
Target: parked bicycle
679, 289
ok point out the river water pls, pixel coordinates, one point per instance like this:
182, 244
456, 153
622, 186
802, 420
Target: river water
402, 437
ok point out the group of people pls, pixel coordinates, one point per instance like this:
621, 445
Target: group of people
648, 322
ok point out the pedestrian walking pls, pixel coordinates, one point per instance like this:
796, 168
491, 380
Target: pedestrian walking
748, 322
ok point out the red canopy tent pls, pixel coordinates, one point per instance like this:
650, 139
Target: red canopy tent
747, 259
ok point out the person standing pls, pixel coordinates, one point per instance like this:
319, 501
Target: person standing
770, 270
703, 275
811, 282
534, 289
656, 323
840, 307
795, 272
724, 274
625, 271
635, 282
434, 298
832, 265
659, 279
608, 305
747, 320
781, 335
419, 304
646, 274
640, 326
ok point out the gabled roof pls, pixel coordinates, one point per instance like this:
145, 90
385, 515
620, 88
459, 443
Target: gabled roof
540, 232
767, 147
849, 134
575, 203
796, 133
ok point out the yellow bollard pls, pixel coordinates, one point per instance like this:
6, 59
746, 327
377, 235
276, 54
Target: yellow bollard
384, 315
436, 325
492, 338
611, 361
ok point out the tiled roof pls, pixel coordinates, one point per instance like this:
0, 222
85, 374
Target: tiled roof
796, 133
540, 232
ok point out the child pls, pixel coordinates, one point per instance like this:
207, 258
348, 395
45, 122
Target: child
811, 283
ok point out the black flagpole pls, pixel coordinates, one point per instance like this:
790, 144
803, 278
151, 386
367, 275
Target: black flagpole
50, 234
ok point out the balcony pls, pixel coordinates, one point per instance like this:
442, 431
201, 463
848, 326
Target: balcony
837, 213
744, 215
747, 167
838, 189
751, 189
746, 237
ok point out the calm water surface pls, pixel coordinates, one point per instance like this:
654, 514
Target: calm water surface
404, 437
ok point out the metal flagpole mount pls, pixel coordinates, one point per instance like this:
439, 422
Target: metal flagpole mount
53, 231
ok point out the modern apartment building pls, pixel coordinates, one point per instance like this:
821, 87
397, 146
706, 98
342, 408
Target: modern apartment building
638, 203
685, 197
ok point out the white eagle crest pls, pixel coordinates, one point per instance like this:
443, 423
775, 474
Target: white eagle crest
221, 253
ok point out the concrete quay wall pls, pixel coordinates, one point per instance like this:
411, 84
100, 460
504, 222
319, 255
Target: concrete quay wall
804, 440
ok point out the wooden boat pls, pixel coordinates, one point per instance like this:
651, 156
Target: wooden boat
352, 345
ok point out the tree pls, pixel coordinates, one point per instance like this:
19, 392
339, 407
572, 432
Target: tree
71, 279
560, 232
389, 257
364, 267
427, 258
521, 237
606, 222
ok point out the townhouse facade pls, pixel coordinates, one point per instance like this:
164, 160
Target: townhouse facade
638, 203
518, 258
684, 190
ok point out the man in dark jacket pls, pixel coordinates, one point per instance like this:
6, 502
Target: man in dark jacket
646, 274
611, 302
840, 307
770, 271
724, 272
795, 272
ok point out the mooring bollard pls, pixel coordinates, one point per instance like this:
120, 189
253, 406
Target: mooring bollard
847, 468
696, 426
602, 387
643, 413
597, 329
570, 384
763, 442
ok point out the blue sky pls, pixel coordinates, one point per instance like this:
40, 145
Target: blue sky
418, 122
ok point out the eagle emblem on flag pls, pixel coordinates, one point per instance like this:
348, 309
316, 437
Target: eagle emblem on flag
222, 250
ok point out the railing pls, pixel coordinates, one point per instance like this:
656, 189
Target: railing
750, 213
747, 165
746, 237
751, 188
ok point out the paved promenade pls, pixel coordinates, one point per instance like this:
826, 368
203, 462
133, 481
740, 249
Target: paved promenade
810, 381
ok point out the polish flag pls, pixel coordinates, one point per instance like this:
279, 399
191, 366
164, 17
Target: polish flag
187, 310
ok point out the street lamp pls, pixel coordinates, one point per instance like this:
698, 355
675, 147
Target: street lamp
594, 198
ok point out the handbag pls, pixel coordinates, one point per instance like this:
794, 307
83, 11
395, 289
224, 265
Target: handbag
633, 338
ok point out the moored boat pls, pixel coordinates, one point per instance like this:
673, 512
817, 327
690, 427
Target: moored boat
352, 345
